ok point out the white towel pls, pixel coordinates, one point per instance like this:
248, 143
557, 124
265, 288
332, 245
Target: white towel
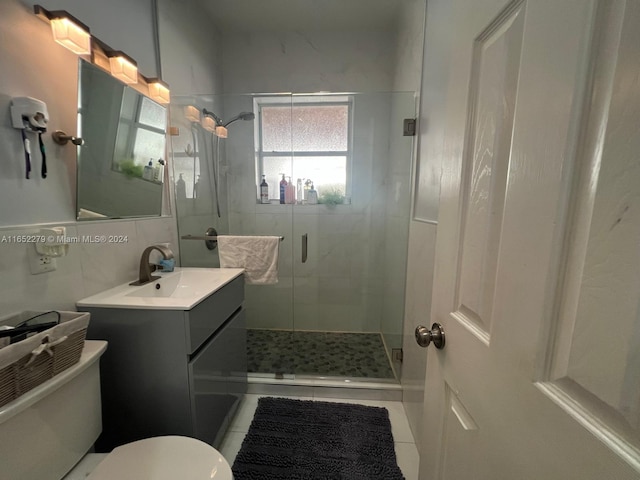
257, 255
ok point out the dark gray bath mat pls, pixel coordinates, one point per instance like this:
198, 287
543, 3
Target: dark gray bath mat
305, 440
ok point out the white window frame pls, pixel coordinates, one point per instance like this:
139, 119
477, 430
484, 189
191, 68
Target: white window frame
292, 101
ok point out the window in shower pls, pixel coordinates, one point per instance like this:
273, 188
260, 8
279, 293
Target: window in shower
307, 138
141, 132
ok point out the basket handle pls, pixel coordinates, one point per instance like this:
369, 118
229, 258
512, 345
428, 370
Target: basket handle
45, 346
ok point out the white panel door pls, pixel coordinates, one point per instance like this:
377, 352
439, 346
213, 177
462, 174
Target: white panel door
537, 275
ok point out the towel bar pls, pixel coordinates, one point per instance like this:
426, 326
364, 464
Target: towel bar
210, 238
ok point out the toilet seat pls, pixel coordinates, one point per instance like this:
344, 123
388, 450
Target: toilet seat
163, 458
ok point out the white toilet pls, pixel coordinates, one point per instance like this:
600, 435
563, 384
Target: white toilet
47, 431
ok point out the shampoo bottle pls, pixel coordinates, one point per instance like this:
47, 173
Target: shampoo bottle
264, 191
283, 188
299, 192
181, 188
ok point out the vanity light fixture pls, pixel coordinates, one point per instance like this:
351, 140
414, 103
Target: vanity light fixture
209, 124
123, 67
158, 90
67, 30
221, 131
192, 114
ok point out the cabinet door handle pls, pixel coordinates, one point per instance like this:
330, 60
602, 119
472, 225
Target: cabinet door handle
304, 248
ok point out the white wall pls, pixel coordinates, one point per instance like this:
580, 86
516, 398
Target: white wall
308, 61
32, 64
190, 48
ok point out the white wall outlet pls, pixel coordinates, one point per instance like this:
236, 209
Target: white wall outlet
40, 263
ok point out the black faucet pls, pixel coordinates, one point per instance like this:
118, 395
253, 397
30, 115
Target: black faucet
145, 269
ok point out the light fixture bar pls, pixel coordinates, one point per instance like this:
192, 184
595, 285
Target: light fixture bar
221, 131
123, 67
209, 124
67, 30
192, 114
158, 90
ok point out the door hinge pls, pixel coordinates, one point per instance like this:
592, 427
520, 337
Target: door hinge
409, 127
396, 354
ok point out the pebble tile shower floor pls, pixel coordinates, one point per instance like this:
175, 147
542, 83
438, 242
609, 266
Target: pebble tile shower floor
317, 353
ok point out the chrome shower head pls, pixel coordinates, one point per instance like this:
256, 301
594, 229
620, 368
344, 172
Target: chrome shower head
241, 116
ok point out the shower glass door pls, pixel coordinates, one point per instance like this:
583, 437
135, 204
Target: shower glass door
270, 317
337, 309
350, 236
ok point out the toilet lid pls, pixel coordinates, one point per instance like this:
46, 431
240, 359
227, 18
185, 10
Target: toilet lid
163, 458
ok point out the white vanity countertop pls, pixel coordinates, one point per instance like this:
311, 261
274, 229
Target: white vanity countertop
181, 289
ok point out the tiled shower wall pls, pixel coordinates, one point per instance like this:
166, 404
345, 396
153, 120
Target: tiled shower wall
347, 283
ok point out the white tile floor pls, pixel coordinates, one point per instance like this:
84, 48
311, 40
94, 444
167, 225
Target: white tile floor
406, 451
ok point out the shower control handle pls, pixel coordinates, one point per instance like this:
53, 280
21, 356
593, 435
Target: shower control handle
305, 238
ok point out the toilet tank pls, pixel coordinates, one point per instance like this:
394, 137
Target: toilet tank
46, 431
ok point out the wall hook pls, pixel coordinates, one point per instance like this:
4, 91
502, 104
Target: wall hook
61, 138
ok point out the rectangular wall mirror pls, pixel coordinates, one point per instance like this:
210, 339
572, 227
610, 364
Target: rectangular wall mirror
121, 163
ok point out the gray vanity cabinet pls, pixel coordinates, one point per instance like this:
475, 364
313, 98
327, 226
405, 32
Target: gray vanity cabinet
172, 372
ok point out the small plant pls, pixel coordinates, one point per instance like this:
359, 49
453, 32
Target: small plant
332, 196
129, 168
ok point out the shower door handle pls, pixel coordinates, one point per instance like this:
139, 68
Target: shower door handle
304, 247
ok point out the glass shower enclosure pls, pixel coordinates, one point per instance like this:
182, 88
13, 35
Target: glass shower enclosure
337, 309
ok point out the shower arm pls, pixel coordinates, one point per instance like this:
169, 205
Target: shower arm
209, 113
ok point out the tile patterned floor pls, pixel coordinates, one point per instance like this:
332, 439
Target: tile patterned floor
318, 353
406, 451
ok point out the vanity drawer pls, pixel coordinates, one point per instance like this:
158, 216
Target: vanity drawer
206, 317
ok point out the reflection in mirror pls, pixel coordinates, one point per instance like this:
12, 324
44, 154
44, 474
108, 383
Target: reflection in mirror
121, 163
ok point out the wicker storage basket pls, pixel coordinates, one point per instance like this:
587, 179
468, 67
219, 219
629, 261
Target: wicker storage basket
26, 364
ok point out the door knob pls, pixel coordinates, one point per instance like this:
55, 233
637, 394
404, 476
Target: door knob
424, 336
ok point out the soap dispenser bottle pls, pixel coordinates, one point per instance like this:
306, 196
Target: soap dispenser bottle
290, 192
147, 173
307, 186
313, 196
158, 171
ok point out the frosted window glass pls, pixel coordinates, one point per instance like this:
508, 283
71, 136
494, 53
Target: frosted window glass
276, 129
129, 104
148, 146
124, 131
152, 114
320, 128
308, 128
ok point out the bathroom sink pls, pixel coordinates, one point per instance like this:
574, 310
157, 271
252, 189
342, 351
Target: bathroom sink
181, 289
